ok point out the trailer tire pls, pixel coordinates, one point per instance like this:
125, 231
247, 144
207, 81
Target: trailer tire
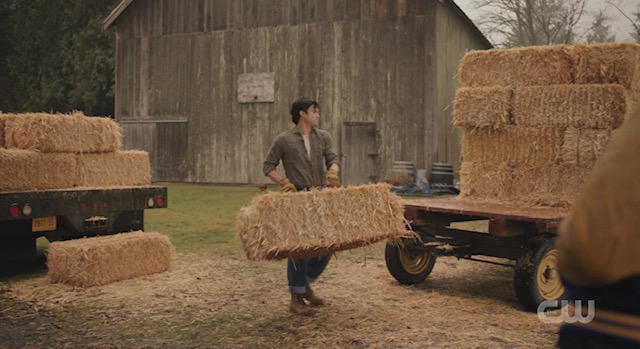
536, 278
409, 267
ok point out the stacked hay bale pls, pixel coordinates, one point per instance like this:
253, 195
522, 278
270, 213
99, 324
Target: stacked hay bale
536, 119
57, 151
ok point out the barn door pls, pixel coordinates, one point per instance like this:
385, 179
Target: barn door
359, 153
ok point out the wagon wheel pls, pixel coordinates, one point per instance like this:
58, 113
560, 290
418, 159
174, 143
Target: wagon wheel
536, 277
410, 262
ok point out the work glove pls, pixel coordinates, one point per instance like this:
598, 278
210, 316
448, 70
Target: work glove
286, 186
332, 179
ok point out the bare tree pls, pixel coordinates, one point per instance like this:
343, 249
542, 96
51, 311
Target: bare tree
513, 23
634, 19
600, 31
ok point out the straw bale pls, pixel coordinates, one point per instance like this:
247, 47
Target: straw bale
582, 147
122, 168
106, 259
579, 106
540, 65
315, 223
483, 107
62, 133
611, 63
553, 185
486, 181
534, 145
25, 170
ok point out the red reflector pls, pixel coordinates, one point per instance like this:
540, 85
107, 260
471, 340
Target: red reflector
105, 204
95, 205
84, 205
14, 210
159, 201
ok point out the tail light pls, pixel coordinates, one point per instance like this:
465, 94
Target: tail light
14, 210
159, 201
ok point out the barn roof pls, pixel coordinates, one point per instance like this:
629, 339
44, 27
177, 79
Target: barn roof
122, 6
117, 11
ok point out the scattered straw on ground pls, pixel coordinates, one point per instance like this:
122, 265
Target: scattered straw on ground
206, 301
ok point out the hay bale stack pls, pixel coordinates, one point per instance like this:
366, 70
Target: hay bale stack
121, 168
309, 224
106, 259
54, 133
566, 103
23, 170
56, 151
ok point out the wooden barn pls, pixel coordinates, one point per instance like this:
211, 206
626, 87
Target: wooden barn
206, 85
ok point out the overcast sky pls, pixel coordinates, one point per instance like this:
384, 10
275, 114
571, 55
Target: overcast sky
620, 26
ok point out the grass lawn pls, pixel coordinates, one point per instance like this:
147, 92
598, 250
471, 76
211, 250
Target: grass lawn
215, 298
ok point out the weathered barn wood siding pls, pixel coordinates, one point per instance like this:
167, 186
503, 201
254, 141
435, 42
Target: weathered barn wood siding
454, 38
364, 60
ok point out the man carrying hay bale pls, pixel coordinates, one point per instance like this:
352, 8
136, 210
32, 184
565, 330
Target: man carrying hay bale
302, 150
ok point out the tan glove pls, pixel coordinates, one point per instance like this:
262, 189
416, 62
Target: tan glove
332, 179
286, 186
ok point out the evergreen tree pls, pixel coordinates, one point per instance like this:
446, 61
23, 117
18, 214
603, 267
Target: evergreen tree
600, 31
62, 59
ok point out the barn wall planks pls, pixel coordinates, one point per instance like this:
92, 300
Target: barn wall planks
363, 60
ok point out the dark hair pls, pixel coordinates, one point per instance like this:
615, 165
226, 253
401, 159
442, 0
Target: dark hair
302, 104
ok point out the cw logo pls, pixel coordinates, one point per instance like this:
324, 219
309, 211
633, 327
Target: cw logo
564, 312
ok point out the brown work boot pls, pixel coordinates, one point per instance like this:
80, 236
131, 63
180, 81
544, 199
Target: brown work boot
299, 307
314, 300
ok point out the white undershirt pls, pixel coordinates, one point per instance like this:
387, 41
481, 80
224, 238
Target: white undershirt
307, 144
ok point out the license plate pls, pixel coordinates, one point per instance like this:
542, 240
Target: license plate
43, 224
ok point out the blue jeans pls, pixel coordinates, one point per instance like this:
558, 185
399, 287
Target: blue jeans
301, 272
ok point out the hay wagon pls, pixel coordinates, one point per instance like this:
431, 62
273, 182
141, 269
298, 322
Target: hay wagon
525, 235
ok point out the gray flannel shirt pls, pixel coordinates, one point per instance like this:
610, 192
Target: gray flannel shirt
303, 171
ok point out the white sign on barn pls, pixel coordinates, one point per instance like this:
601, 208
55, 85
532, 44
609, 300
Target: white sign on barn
256, 87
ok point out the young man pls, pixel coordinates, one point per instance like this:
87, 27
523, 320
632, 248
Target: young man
305, 152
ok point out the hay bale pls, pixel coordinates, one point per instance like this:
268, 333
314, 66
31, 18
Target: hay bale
25, 170
517, 144
611, 63
309, 224
482, 107
526, 66
122, 168
483, 181
552, 186
523, 184
106, 259
582, 147
62, 133
579, 106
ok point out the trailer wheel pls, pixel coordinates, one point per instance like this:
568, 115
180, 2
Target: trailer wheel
536, 278
410, 262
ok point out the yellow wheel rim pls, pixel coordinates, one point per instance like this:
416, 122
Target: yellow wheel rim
549, 283
414, 263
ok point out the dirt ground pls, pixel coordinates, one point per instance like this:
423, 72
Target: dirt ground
213, 301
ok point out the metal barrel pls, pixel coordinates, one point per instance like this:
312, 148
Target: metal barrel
442, 173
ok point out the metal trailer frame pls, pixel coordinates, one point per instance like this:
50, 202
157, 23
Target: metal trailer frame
522, 234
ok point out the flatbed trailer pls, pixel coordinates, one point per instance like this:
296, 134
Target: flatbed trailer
522, 234
64, 214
